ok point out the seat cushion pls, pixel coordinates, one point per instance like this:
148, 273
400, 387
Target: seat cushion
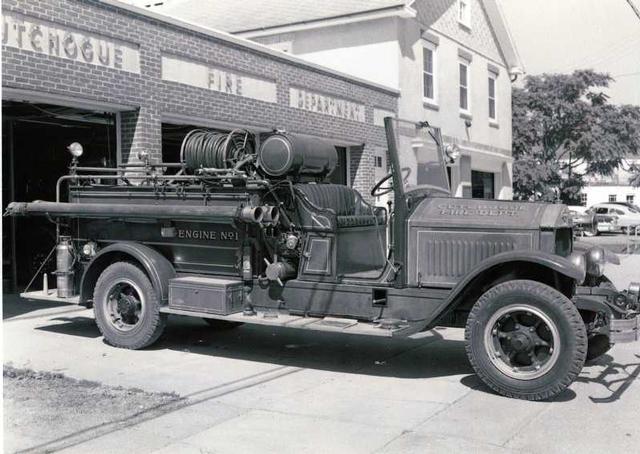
356, 221
341, 199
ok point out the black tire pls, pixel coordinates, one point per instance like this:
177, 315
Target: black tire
146, 322
521, 301
221, 325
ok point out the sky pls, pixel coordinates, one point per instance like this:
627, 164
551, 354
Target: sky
564, 35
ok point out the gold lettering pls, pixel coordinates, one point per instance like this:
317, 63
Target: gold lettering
103, 53
86, 48
117, 58
69, 46
20, 29
54, 43
35, 35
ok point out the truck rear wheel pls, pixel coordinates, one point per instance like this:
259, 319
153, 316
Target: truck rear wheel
126, 307
526, 340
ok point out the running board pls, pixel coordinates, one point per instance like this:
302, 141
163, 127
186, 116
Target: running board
51, 296
284, 319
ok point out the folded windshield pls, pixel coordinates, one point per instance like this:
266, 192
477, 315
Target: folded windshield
420, 158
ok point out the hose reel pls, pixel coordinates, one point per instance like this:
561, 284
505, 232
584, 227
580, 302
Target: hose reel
202, 148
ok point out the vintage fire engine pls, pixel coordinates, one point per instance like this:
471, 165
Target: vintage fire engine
245, 230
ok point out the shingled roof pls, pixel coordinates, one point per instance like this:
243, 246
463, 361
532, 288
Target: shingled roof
249, 15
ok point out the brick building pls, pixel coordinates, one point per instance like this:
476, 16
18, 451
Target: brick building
452, 60
120, 79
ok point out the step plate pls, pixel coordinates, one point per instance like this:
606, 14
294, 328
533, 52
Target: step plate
284, 319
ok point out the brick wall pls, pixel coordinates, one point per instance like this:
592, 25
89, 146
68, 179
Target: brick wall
153, 97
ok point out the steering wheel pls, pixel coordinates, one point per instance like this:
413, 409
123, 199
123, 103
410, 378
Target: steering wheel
378, 190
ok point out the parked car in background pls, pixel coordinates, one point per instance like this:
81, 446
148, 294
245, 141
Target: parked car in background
616, 216
584, 221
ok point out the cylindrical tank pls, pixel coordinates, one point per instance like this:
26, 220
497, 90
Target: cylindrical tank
290, 154
64, 267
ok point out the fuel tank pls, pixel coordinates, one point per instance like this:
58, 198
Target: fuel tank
448, 237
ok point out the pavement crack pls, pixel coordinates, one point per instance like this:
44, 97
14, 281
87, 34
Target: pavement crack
96, 431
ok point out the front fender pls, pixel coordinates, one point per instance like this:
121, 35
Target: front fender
158, 268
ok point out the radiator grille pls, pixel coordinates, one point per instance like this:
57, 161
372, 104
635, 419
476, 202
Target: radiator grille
442, 257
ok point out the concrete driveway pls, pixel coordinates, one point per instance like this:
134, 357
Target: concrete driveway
257, 389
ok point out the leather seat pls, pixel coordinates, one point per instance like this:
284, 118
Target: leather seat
346, 202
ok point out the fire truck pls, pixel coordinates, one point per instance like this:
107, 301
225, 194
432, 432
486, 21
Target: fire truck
245, 229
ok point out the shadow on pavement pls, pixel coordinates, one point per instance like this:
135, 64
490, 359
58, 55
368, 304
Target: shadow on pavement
424, 357
14, 306
615, 377
74, 326
473, 382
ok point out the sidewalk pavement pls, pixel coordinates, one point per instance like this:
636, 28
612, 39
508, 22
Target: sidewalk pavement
260, 389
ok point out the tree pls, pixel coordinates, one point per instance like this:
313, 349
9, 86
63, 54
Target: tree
564, 129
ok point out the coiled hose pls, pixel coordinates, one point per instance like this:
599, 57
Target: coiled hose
210, 149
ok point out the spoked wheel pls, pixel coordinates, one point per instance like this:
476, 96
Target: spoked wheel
521, 341
126, 307
526, 340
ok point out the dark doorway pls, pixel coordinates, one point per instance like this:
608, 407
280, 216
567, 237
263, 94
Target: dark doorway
34, 155
339, 175
482, 185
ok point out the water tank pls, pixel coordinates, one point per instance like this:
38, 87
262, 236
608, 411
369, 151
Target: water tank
283, 154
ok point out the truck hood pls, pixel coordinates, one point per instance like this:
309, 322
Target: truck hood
478, 213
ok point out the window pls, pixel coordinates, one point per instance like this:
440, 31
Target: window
583, 199
377, 161
492, 98
630, 198
612, 198
464, 87
602, 210
482, 185
429, 73
464, 14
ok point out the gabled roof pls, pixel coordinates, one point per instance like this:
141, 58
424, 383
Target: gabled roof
251, 15
252, 18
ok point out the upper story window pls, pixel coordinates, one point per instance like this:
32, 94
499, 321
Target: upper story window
464, 12
493, 115
465, 104
429, 81
630, 199
613, 197
583, 199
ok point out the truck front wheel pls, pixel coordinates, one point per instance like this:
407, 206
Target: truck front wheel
126, 307
526, 340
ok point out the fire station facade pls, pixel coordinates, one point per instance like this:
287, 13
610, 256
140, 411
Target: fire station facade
119, 79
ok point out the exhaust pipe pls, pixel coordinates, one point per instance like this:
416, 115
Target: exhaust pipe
271, 215
251, 214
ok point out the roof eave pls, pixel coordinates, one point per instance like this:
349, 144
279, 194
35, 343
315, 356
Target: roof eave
400, 10
503, 35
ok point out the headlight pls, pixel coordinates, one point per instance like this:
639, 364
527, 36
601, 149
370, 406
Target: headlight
595, 261
89, 249
577, 258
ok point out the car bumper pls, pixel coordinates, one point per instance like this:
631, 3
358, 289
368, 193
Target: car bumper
624, 330
620, 309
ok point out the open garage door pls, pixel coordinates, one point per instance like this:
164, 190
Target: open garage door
34, 155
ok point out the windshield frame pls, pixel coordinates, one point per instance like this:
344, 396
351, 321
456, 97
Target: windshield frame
423, 131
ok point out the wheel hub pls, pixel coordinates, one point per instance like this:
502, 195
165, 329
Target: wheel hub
124, 308
522, 341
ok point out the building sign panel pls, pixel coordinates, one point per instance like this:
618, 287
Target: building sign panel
328, 105
176, 69
34, 35
380, 114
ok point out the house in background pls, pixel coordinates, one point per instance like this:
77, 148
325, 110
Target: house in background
452, 60
614, 188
